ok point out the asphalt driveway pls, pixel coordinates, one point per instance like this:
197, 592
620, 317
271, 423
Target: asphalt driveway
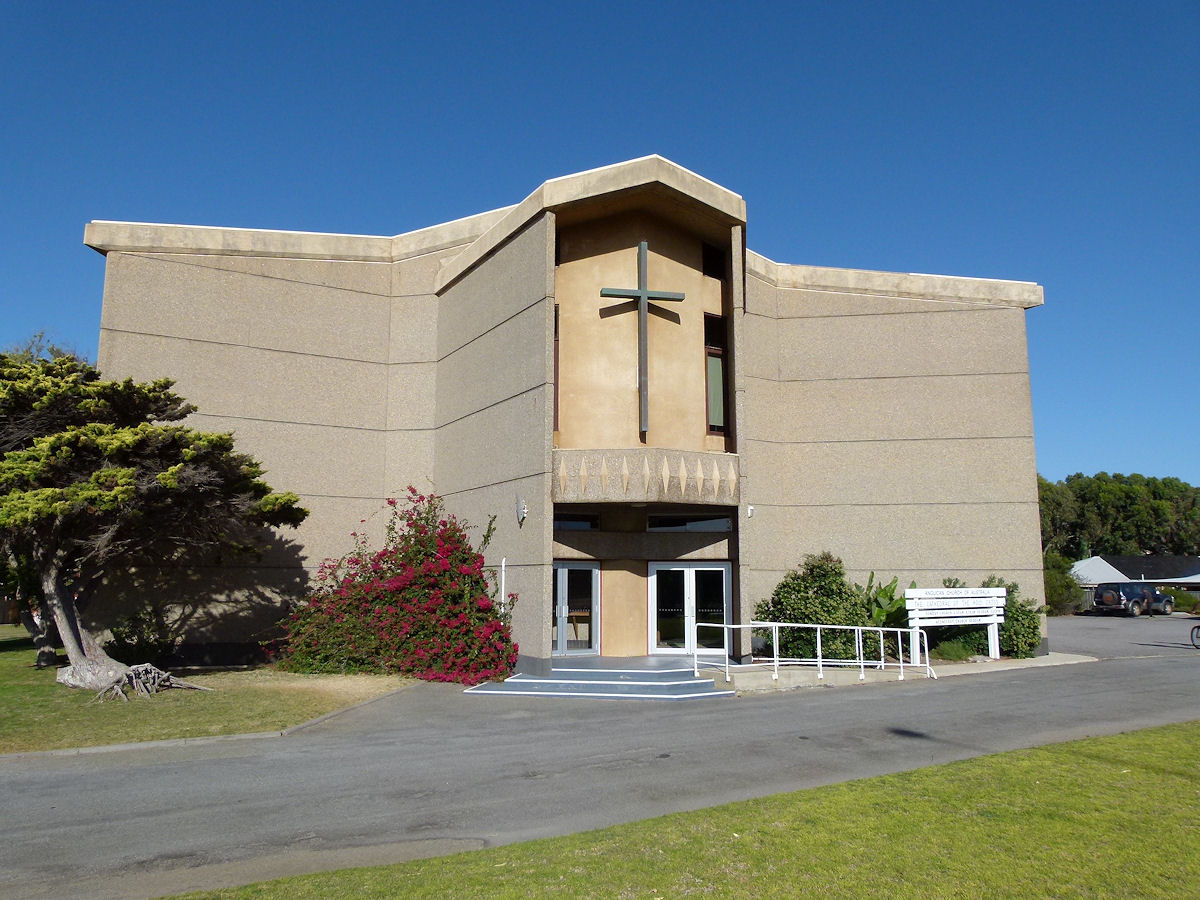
429, 770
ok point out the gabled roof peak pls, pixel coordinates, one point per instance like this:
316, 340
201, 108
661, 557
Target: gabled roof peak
648, 180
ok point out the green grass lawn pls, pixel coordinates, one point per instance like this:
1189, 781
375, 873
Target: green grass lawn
1106, 817
37, 713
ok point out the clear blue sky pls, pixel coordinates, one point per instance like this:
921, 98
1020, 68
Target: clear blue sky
1048, 142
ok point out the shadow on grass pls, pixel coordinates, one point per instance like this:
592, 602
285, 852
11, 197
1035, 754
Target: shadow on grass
17, 643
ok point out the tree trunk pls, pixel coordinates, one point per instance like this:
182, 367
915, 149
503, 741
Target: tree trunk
90, 667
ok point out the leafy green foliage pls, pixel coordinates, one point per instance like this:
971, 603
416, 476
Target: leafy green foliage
420, 606
819, 594
1063, 593
1087, 515
143, 636
885, 602
1184, 600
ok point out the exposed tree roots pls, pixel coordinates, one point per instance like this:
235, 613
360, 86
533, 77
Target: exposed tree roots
144, 679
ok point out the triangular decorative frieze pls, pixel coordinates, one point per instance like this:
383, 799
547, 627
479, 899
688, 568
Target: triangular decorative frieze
665, 476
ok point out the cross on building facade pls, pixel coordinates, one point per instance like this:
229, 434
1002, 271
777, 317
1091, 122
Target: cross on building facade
643, 295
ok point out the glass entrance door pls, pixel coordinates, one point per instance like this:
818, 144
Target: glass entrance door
575, 615
686, 595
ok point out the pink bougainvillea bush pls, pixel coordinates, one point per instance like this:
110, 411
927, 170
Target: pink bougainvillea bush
420, 606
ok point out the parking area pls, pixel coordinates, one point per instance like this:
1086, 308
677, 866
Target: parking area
1109, 636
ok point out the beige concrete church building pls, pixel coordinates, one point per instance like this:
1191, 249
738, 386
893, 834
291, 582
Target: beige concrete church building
662, 421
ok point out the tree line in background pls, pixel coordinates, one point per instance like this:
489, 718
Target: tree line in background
1126, 515
1120, 515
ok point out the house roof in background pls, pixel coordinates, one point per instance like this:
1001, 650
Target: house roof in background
1097, 569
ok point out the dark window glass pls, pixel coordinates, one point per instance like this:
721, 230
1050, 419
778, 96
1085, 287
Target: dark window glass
689, 523
716, 376
575, 522
714, 262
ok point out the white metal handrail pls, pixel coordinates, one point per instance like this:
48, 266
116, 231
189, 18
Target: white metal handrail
918, 654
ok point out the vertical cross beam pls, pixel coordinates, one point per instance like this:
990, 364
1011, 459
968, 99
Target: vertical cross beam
643, 295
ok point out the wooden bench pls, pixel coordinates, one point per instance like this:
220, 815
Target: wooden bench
958, 606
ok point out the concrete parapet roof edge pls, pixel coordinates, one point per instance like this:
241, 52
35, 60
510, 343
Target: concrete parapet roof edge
559, 192
149, 237
907, 285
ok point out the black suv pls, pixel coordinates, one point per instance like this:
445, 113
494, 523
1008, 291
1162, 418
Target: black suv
1132, 598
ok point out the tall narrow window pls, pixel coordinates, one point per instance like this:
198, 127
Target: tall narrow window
556, 367
715, 372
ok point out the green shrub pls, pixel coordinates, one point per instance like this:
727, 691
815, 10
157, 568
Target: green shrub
817, 594
1064, 596
144, 636
1021, 632
1184, 601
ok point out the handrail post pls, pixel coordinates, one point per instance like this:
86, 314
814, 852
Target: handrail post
820, 657
775, 646
862, 663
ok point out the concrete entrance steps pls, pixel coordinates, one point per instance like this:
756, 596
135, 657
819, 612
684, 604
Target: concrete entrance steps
608, 684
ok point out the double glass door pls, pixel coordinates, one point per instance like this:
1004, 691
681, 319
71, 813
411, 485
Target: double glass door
575, 615
687, 602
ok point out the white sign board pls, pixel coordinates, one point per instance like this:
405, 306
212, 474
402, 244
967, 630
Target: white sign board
928, 607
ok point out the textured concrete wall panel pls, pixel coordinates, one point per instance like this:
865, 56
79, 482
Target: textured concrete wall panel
952, 342
518, 275
973, 470
201, 298
493, 446
798, 304
253, 383
937, 539
494, 396
759, 349
883, 409
494, 367
409, 461
412, 328
411, 392
308, 459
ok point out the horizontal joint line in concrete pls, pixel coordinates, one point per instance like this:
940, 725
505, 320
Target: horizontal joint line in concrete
974, 304
885, 505
492, 328
907, 440
968, 307
492, 484
761, 505
155, 257
190, 340
378, 498
911, 376
536, 387
211, 415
